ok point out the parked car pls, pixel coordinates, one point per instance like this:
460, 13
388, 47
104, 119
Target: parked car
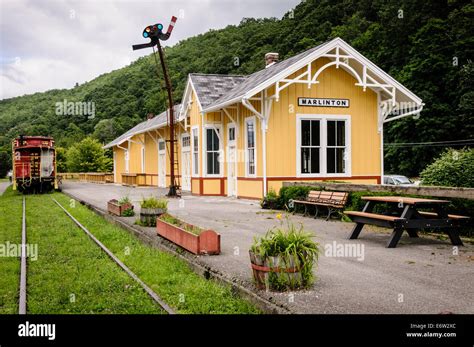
398, 180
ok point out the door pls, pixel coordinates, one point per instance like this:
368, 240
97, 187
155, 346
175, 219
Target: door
161, 164
231, 161
186, 162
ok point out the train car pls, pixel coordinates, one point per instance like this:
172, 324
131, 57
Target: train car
34, 164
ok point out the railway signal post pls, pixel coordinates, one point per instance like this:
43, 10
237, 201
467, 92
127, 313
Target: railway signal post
155, 34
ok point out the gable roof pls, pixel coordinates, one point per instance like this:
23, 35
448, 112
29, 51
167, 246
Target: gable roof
258, 77
211, 87
150, 124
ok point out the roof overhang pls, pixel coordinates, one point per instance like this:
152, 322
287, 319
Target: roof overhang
395, 101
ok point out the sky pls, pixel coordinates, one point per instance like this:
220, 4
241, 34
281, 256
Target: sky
48, 44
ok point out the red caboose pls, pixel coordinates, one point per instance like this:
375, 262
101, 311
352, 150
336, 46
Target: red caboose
34, 164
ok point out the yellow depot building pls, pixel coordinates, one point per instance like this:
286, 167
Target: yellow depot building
315, 116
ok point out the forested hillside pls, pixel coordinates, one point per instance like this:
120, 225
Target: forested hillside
426, 45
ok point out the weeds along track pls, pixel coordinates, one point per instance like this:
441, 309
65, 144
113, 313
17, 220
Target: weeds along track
73, 276
112, 256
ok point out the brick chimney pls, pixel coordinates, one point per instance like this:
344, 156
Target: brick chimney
271, 58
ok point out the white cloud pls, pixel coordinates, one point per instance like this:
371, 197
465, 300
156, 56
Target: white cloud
47, 44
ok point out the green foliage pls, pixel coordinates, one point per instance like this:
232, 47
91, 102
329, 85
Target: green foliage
288, 247
417, 49
180, 224
61, 161
5, 163
153, 202
88, 156
124, 200
454, 168
128, 212
293, 193
270, 201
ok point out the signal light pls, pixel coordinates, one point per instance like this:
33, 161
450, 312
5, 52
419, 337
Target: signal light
147, 29
145, 34
160, 26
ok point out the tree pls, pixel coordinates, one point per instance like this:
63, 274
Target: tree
105, 131
5, 163
454, 168
87, 156
61, 162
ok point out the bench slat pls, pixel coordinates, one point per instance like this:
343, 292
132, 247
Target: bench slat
434, 214
372, 215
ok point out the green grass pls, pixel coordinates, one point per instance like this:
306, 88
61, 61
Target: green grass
10, 231
167, 275
72, 274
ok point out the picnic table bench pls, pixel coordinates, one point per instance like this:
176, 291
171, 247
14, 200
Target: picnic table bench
404, 215
333, 201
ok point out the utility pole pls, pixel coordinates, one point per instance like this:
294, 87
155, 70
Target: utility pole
155, 33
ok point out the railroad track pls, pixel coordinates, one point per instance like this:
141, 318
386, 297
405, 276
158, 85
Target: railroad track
23, 267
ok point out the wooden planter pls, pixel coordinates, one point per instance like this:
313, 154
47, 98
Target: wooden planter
148, 216
262, 268
113, 207
207, 242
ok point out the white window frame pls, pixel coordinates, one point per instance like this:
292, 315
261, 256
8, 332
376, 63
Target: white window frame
254, 121
143, 153
204, 150
229, 141
324, 118
195, 164
126, 155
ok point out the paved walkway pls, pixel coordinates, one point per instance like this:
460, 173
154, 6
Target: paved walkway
3, 186
419, 276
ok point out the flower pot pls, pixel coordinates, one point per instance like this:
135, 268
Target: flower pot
207, 242
148, 215
115, 208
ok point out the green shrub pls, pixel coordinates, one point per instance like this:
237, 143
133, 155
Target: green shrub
180, 224
287, 247
128, 212
153, 202
454, 168
293, 193
124, 200
270, 201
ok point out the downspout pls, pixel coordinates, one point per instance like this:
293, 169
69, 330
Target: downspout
380, 120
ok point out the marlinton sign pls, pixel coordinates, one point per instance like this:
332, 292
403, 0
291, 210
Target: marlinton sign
319, 102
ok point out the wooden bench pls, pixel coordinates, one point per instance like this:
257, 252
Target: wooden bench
333, 201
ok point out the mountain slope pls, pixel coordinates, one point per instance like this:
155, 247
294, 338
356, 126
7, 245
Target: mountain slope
415, 41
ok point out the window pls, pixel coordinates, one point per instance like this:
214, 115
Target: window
212, 151
310, 146
323, 145
186, 141
336, 146
231, 133
161, 146
195, 132
250, 146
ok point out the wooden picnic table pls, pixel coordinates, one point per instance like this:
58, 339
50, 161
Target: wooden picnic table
404, 215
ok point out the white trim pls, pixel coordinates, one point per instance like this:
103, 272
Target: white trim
143, 154
187, 94
323, 144
193, 174
160, 153
127, 160
337, 44
186, 149
228, 140
231, 145
115, 165
254, 120
214, 127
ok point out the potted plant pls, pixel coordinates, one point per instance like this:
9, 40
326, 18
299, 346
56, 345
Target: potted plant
122, 207
150, 209
190, 237
270, 201
284, 258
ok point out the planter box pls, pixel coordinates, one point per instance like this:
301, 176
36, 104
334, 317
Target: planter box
207, 242
113, 207
148, 215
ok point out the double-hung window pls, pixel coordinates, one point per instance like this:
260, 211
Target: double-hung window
212, 151
195, 135
323, 145
250, 147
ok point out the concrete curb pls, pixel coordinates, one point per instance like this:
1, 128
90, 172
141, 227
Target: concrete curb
267, 305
